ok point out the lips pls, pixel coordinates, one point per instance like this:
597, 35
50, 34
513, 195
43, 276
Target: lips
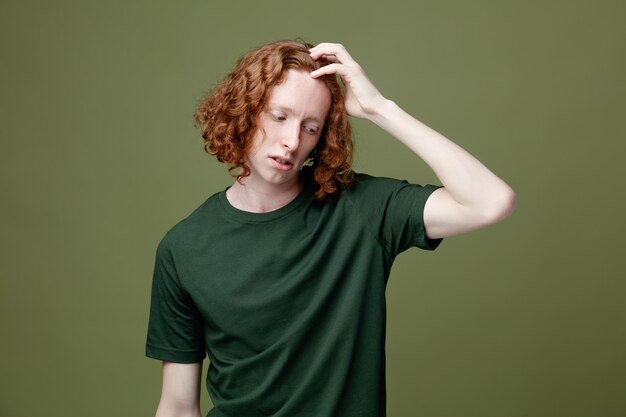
282, 163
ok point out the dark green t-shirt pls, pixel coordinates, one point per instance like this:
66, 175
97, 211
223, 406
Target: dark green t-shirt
289, 304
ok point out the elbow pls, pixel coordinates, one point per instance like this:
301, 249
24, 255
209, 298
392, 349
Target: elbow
177, 409
503, 207
175, 413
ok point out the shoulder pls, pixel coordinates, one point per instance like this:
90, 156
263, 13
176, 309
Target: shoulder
377, 193
366, 185
368, 194
365, 182
184, 231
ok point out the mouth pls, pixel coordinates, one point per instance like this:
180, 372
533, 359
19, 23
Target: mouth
285, 163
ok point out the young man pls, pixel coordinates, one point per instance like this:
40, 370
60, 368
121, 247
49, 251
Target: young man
281, 277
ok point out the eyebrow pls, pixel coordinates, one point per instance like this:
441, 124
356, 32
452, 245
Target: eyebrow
290, 110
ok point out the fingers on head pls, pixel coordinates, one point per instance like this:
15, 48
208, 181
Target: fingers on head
332, 49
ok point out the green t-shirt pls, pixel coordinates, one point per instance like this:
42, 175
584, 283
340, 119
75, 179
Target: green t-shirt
288, 304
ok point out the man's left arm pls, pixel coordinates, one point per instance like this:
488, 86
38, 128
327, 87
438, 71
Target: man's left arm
472, 197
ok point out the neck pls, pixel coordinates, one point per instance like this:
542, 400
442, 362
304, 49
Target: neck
248, 197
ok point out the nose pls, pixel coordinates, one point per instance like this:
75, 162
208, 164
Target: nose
291, 136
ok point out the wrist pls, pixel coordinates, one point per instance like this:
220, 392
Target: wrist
383, 112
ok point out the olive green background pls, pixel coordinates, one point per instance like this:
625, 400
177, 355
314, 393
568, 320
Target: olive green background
99, 157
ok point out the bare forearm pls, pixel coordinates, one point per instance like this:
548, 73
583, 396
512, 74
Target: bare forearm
468, 181
180, 394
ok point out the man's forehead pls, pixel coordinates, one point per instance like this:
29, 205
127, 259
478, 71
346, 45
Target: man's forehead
301, 94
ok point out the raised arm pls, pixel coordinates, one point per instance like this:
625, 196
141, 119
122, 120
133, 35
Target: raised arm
180, 393
472, 196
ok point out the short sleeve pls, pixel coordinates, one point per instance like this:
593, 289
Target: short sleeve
394, 211
175, 327
402, 223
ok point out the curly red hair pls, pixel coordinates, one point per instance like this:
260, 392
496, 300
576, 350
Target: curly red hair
228, 114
